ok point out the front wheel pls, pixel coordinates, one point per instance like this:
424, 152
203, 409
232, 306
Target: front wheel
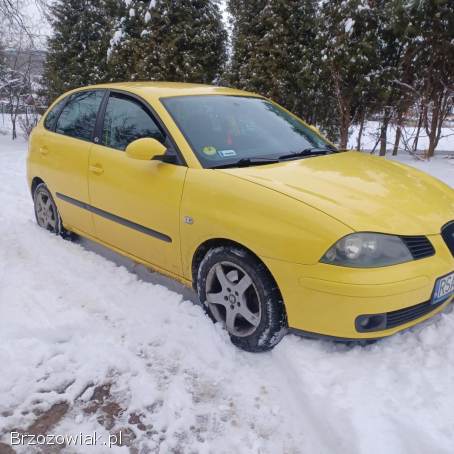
238, 291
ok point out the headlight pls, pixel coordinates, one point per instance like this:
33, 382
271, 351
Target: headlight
367, 250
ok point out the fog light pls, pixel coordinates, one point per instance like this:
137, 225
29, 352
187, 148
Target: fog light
375, 322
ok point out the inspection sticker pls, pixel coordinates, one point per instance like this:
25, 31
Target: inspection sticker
227, 153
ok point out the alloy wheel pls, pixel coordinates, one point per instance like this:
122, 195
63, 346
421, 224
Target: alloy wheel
233, 298
46, 211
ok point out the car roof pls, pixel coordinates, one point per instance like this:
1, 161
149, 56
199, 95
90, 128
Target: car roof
169, 89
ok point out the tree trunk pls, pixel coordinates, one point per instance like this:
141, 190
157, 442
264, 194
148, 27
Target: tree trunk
344, 123
418, 129
14, 134
400, 117
384, 130
360, 132
439, 112
433, 131
343, 104
344, 127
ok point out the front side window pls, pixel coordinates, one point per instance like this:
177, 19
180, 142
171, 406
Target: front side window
51, 117
225, 129
78, 117
127, 120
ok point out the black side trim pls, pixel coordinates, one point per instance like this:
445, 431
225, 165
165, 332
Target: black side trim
115, 218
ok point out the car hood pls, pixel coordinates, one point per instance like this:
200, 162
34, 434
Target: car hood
365, 192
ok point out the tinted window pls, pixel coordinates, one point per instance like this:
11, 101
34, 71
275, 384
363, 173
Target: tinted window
49, 122
223, 129
127, 120
78, 117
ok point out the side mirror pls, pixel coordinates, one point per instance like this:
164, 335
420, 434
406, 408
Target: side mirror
145, 149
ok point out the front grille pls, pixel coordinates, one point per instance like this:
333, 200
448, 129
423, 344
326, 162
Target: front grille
401, 316
447, 232
419, 246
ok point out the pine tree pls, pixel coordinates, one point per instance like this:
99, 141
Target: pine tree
77, 50
274, 51
349, 41
394, 71
125, 53
403, 71
432, 34
178, 40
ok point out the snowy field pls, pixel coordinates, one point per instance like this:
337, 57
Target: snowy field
90, 342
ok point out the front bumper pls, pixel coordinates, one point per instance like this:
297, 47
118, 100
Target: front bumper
327, 300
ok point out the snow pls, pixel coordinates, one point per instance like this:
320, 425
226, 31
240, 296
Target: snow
370, 136
75, 316
349, 23
116, 38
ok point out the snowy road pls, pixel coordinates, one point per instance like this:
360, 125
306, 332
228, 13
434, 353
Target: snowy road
86, 344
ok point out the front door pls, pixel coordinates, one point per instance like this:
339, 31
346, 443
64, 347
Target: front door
135, 204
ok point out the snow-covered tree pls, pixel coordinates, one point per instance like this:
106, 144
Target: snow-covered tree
124, 53
273, 51
432, 33
15, 87
178, 40
77, 49
348, 38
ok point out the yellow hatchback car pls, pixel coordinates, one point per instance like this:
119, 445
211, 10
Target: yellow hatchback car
228, 192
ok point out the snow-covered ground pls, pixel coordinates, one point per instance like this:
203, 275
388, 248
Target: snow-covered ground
90, 342
371, 131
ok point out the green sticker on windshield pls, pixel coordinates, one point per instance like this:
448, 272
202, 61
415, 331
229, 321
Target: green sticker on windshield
210, 151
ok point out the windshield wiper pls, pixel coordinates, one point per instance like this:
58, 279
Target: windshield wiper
313, 151
260, 160
246, 162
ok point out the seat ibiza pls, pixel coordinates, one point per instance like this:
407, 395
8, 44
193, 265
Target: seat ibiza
228, 192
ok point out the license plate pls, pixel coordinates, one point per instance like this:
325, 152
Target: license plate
444, 288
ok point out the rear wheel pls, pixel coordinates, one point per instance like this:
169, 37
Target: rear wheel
46, 212
238, 291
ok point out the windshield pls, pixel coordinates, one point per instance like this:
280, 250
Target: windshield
226, 129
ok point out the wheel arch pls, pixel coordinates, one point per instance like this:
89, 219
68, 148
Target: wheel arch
212, 243
35, 182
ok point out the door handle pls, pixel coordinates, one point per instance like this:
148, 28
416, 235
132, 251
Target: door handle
96, 169
44, 150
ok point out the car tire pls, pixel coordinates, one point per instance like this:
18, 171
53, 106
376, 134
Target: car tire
47, 214
237, 290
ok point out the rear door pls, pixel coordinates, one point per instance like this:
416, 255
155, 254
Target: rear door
66, 151
135, 203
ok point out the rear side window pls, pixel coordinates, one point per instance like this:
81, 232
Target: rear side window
78, 117
127, 120
51, 117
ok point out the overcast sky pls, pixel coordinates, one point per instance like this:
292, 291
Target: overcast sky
36, 21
